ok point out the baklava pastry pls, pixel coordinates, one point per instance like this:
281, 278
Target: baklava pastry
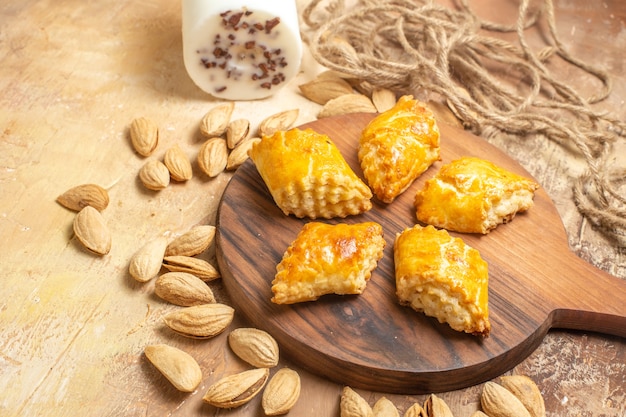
444, 278
397, 146
472, 195
307, 175
328, 259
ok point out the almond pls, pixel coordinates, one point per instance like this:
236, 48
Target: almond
213, 157
239, 155
527, 392
383, 99
178, 164
436, 407
154, 175
197, 267
277, 122
235, 390
215, 121
255, 346
385, 408
183, 289
146, 263
144, 136
321, 90
281, 393
200, 322
91, 231
81, 196
193, 242
353, 405
415, 410
497, 401
180, 368
237, 131
346, 104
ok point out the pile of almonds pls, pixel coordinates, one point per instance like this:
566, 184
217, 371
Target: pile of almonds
226, 147
514, 396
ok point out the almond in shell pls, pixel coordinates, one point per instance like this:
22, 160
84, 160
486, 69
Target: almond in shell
497, 401
81, 196
195, 266
92, 231
415, 410
146, 263
436, 407
323, 89
237, 131
346, 104
180, 368
178, 164
281, 393
193, 242
277, 122
383, 99
527, 392
255, 346
154, 175
201, 321
144, 135
183, 289
237, 389
215, 121
352, 404
239, 155
213, 157
384, 407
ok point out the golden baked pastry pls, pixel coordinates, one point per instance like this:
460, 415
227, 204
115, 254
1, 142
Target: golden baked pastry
328, 259
471, 195
307, 175
397, 146
443, 277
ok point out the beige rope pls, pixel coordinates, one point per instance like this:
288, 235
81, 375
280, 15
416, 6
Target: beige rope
419, 46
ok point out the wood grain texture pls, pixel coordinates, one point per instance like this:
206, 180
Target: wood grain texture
370, 341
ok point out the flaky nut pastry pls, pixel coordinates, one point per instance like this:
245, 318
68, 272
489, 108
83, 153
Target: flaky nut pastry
472, 195
307, 175
397, 146
328, 259
443, 277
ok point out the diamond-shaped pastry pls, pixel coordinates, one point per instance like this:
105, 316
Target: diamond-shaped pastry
328, 259
472, 195
307, 175
443, 277
397, 146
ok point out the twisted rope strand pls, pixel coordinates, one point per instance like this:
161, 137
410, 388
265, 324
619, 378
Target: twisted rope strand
419, 46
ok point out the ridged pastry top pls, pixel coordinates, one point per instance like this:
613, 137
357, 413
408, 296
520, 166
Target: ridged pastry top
308, 176
397, 146
472, 195
327, 259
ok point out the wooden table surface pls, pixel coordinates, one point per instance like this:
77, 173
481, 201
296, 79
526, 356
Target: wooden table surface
73, 326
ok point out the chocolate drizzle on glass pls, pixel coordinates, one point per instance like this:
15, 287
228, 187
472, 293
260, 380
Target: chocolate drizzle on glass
241, 49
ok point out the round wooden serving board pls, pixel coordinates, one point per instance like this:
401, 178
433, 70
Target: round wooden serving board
369, 341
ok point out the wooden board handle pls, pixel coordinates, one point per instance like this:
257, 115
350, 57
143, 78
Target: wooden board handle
595, 300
